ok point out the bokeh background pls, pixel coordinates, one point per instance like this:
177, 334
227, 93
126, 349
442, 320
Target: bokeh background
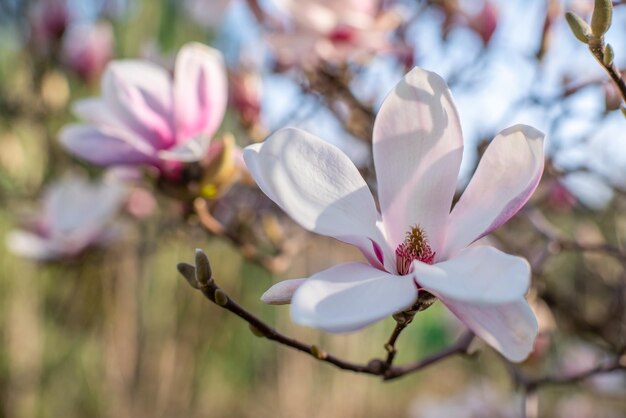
113, 331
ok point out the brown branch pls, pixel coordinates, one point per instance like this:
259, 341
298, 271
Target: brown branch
557, 241
596, 46
200, 277
460, 347
273, 263
531, 384
332, 84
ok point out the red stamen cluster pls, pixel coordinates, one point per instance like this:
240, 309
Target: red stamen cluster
414, 247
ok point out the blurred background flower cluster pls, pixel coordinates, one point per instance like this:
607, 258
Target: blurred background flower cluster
94, 319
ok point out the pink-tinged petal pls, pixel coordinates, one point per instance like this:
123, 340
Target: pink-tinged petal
30, 245
200, 91
282, 292
418, 148
106, 146
478, 275
95, 111
509, 328
350, 296
506, 177
139, 94
320, 188
193, 150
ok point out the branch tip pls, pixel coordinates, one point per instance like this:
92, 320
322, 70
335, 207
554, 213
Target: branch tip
189, 273
203, 267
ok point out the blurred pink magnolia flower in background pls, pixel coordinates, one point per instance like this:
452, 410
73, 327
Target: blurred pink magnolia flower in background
87, 48
415, 242
333, 31
245, 97
76, 214
48, 20
145, 116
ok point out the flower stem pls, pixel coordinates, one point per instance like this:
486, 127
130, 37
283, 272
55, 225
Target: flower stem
201, 279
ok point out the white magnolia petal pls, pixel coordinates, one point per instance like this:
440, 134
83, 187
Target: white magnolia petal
27, 244
509, 328
200, 91
418, 146
319, 187
350, 296
70, 209
193, 150
506, 177
480, 275
282, 292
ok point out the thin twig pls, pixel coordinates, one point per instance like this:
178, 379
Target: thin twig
596, 46
532, 384
200, 277
559, 242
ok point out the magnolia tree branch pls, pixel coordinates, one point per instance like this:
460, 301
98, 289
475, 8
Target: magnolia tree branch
593, 35
271, 262
532, 384
558, 241
200, 277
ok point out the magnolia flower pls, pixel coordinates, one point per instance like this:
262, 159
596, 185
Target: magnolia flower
146, 117
48, 20
333, 30
415, 243
76, 214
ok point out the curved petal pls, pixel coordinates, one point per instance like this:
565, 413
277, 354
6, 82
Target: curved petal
320, 188
95, 111
509, 328
506, 177
350, 296
418, 148
479, 275
139, 94
70, 209
27, 244
105, 146
200, 91
282, 292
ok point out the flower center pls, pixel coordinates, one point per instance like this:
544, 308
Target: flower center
341, 34
414, 247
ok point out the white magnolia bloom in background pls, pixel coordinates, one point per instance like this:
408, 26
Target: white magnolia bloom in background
76, 214
333, 30
415, 242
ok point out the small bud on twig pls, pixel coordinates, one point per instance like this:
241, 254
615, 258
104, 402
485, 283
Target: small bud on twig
376, 366
609, 55
317, 353
579, 27
203, 267
221, 298
189, 273
601, 17
257, 332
